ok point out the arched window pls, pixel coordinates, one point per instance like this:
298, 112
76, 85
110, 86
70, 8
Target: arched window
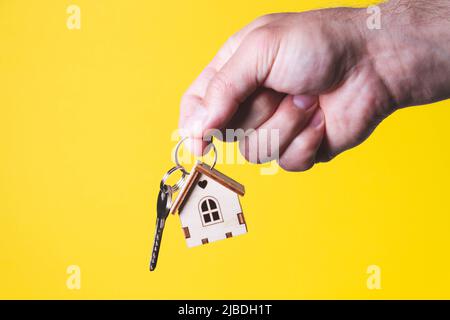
210, 211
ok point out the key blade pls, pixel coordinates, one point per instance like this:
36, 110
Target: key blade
163, 205
157, 243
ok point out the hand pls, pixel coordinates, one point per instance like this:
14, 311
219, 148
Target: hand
322, 78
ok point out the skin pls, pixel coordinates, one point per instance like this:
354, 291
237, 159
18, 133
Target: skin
322, 78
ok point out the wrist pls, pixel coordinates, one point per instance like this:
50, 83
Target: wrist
411, 51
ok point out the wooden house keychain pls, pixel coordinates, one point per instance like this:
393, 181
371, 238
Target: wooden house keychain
208, 204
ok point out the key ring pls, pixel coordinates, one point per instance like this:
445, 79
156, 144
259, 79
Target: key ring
179, 183
177, 162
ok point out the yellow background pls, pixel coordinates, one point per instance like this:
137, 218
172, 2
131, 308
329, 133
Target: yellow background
86, 118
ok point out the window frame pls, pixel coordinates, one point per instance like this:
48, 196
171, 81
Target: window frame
210, 211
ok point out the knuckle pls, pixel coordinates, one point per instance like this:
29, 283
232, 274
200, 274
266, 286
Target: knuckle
221, 83
189, 100
186, 98
262, 36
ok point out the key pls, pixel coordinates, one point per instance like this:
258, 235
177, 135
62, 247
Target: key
162, 209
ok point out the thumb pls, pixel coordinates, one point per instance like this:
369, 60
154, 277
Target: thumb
235, 81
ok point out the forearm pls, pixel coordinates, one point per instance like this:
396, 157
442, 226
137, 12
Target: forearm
411, 52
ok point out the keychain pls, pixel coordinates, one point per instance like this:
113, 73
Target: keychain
207, 204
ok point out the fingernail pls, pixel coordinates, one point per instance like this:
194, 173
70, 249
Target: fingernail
304, 102
317, 120
196, 123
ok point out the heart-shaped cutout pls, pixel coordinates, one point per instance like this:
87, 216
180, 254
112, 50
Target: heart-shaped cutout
202, 184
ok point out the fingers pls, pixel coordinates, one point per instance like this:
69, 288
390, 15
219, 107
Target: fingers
192, 101
215, 96
274, 135
300, 155
256, 110
243, 73
194, 107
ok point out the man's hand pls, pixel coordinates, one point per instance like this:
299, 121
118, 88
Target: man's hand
322, 78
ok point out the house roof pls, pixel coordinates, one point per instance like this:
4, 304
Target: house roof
199, 169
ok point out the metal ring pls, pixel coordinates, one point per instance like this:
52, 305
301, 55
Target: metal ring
177, 162
179, 183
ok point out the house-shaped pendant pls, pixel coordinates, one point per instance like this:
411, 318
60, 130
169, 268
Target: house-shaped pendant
208, 206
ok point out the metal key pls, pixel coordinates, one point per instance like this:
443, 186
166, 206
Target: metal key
162, 208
